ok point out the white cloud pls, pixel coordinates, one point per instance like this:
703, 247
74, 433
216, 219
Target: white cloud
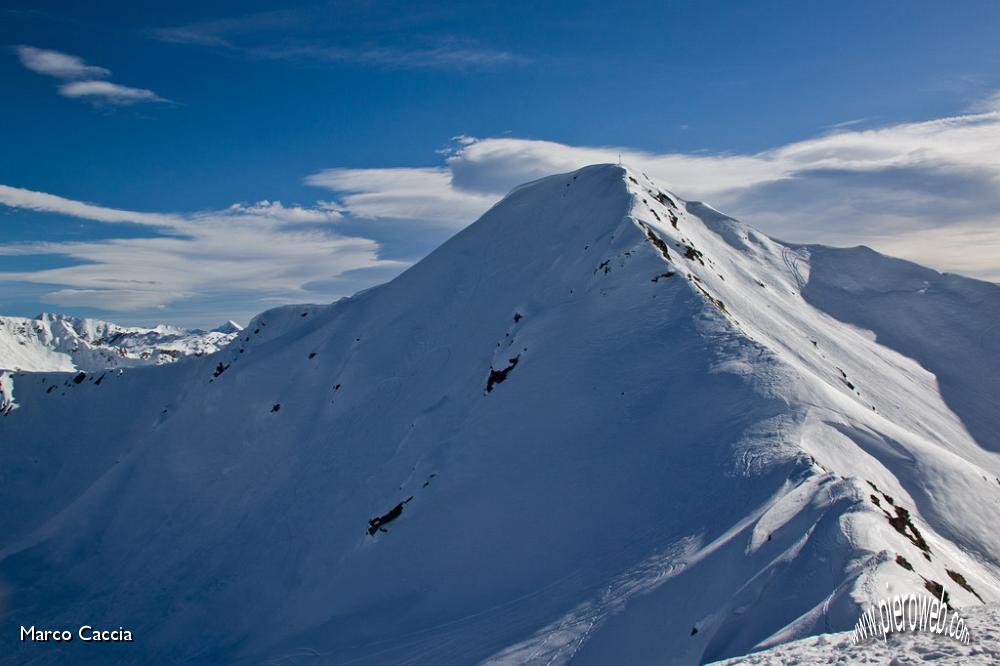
59, 65
82, 79
426, 194
275, 210
16, 197
248, 256
926, 191
108, 92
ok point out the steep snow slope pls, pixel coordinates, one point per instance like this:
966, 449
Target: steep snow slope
600, 424
948, 323
53, 342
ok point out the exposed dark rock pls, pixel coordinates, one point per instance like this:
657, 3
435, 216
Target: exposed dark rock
377, 523
960, 579
497, 376
665, 200
937, 589
901, 523
656, 241
712, 299
693, 254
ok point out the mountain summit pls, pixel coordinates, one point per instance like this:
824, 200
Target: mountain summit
601, 424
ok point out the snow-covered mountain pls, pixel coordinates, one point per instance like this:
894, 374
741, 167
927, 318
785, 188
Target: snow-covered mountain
55, 342
601, 424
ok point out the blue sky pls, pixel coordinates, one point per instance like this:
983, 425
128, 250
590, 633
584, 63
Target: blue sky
146, 146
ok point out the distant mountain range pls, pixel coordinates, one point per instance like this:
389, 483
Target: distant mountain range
55, 342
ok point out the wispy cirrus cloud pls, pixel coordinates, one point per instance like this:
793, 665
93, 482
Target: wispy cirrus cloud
925, 191
447, 54
251, 35
223, 32
82, 81
242, 259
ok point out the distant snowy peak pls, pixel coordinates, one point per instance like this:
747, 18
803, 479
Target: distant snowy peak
54, 342
227, 328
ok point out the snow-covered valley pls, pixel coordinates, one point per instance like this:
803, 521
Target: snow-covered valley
599, 425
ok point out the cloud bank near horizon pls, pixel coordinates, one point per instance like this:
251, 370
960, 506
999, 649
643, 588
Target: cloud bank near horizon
244, 257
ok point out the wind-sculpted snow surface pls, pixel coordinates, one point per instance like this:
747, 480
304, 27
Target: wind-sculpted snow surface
601, 424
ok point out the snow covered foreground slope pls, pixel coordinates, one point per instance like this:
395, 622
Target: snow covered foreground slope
54, 342
600, 424
904, 649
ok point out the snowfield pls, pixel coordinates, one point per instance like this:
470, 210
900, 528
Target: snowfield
600, 425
